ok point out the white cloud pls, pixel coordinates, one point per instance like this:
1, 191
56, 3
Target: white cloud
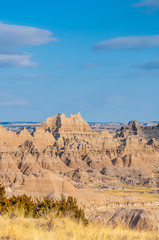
12, 36
7, 99
16, 60
133, 42
146, 3
153, 65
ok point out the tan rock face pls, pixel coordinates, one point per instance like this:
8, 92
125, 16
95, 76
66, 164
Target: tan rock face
66, 157
23, 136
42, 138
62, 124
7, 137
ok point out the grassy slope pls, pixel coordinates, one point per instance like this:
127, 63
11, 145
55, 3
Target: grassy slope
145, 193
50, 227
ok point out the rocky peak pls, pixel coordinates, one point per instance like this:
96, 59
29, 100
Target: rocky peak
134, 125
62, 124
23, 131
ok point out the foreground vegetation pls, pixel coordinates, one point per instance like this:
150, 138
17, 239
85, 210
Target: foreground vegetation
37, 209
23, 219
52, 227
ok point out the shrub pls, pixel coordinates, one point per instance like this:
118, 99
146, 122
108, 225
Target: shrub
38, 208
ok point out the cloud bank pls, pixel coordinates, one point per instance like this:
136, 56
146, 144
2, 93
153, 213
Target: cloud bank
12, 36
16, 60
146, 3
153, 65
134, 42
7, 99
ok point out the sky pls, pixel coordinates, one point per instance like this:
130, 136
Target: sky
99, 58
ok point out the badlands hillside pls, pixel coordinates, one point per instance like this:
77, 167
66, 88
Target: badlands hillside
114, 176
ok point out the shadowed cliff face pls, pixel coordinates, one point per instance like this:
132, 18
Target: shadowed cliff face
134, 128
66, 157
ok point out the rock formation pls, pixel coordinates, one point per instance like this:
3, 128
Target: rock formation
134, 128
60, 124
66, 157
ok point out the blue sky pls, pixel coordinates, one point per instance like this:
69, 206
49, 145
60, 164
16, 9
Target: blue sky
100, 58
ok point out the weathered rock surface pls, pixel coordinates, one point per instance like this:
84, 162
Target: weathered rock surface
134, 128
131, 218
61, 124
66, 157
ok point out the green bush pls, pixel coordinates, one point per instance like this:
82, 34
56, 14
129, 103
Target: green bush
38, 209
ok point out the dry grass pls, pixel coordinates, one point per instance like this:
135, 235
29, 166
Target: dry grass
143, 192
53, 228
